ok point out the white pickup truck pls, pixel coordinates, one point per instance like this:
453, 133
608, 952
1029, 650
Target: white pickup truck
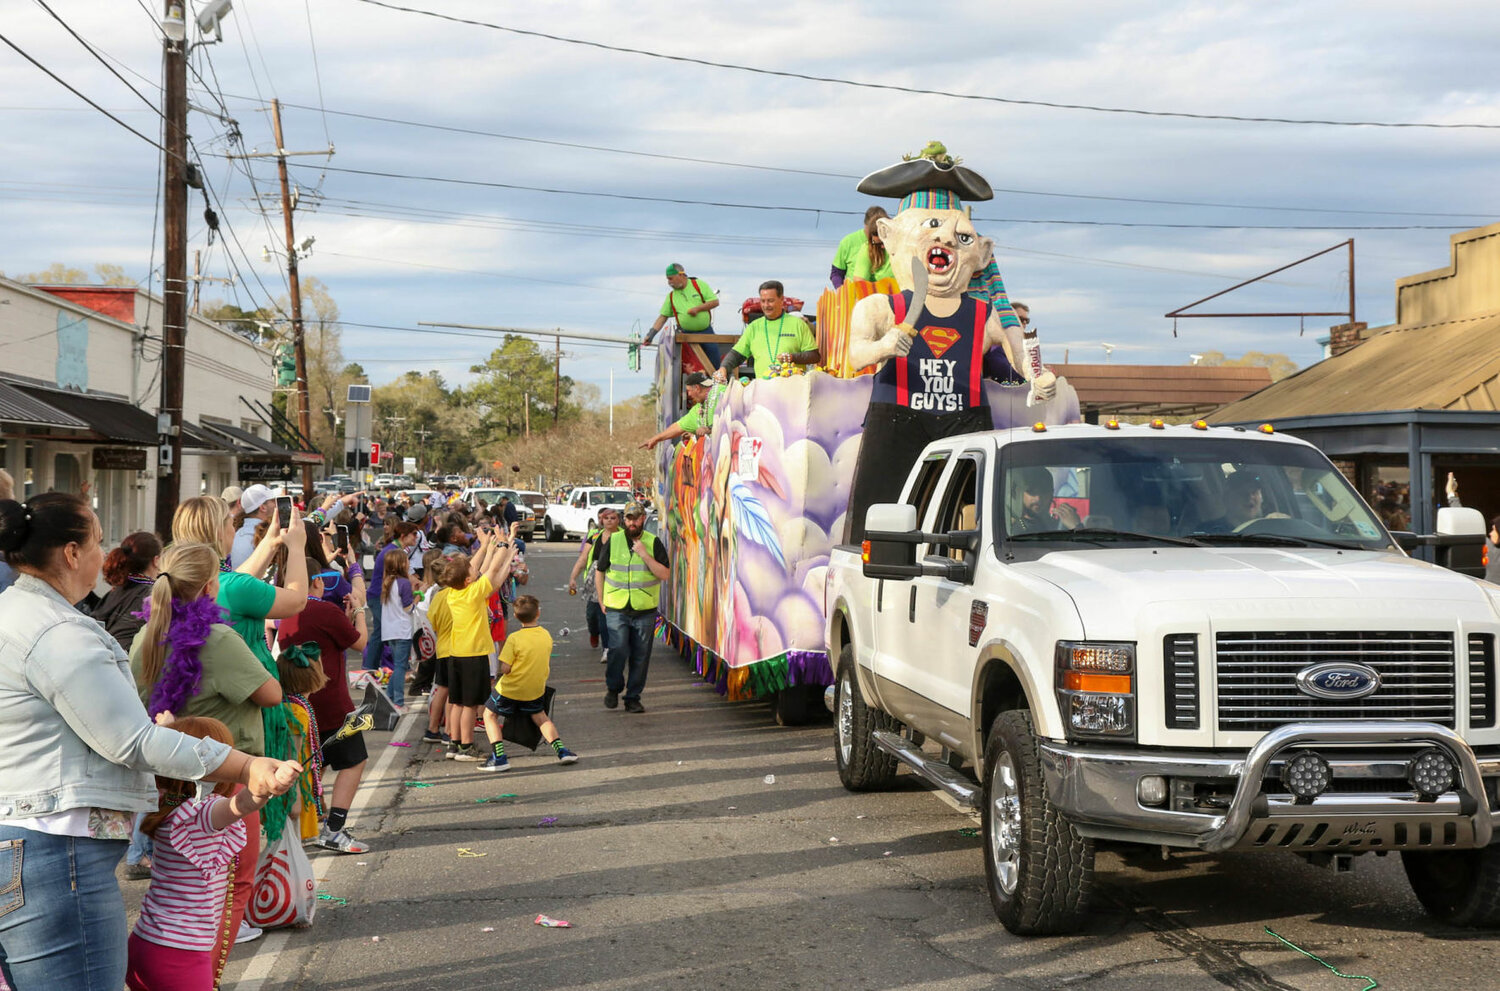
581, 512
1176, 636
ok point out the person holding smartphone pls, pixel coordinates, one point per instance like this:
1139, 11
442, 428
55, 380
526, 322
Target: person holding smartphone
258, 503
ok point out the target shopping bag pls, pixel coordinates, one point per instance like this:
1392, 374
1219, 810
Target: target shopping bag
285, 889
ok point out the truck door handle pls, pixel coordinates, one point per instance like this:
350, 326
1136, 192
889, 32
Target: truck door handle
911, 611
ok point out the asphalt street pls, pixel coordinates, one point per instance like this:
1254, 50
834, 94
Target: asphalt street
698, 845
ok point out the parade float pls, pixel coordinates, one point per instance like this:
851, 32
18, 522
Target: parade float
752, 507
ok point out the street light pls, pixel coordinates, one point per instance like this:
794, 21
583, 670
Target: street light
173, 25
208, 20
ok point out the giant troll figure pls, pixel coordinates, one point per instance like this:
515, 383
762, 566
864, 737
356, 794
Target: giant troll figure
929, 342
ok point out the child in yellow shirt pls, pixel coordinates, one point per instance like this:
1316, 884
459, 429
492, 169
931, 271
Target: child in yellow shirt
525, 662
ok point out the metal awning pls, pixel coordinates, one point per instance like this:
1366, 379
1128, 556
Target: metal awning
113, 420
17, 407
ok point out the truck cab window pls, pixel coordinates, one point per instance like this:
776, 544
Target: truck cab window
960, 506
926, 484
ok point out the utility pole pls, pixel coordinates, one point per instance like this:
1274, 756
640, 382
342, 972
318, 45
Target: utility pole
199, 278
421, 433
526, 413
299, 346
174, 276
556, 380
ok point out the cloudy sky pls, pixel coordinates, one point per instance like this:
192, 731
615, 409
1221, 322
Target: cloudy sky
1102, 221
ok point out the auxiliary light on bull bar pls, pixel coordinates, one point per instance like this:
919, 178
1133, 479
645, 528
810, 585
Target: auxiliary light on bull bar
1431, 773
1306, 776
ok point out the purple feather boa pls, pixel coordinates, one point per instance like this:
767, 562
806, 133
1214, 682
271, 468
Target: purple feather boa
186, 634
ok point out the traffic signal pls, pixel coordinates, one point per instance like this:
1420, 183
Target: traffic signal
286, 366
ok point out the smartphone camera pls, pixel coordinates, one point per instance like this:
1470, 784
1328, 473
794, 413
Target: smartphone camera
341, 538
284, 511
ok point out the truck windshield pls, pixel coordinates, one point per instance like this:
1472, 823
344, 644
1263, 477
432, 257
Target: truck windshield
1209, 490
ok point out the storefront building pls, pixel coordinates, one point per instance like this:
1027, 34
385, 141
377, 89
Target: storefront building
79, 391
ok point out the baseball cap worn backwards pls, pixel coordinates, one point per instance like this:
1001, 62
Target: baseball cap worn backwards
695, 378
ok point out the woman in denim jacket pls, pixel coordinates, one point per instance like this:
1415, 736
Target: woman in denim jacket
78, 757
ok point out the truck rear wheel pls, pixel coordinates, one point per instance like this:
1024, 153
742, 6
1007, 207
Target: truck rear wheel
862, 765
1461, 887
1039, 871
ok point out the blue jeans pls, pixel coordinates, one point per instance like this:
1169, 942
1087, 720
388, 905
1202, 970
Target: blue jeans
374, 648
400, 655
594, 613
140, 843
629, 641
62, 918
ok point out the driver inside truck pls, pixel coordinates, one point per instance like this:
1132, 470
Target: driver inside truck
1036, 508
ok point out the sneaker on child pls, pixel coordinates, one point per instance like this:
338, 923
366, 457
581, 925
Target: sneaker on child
466, 753
566, 756
248, 933
496, 762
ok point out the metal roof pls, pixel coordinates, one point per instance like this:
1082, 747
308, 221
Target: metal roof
1451, 365
112, 419
17, 407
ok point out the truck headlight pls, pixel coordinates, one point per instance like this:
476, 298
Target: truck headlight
1096, 687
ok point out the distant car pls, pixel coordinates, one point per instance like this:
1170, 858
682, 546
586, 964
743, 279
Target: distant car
326, 485
581, 511
458, 480
347, 486
404, 482
534, 501
491, 497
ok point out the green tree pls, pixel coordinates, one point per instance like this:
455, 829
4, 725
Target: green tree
515, 387
418, 416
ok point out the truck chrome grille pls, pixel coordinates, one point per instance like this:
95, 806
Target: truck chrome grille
1481, 680
1257, 677
1179, 653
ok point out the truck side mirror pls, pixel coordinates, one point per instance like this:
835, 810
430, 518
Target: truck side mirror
1463, 521
889, 549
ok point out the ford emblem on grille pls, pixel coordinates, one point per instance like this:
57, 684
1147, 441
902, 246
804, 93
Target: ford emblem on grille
1338, 680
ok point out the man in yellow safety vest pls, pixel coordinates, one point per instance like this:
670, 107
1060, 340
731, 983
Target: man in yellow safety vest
629, 569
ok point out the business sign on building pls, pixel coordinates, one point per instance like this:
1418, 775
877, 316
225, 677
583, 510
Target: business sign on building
265, 471
119, 459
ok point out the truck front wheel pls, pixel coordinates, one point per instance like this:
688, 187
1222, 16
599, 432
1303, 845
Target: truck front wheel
862, 765
1461, 887
1039, 870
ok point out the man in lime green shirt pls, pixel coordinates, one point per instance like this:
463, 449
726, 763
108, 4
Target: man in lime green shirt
691, 302
704, 394
776, 339
853, 259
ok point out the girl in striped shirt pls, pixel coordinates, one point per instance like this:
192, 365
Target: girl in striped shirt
197, 841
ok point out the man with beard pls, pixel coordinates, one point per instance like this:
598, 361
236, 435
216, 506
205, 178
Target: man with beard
629, 569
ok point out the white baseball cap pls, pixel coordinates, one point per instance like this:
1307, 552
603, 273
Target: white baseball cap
255, 497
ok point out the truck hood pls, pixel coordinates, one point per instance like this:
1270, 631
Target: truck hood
1125, 581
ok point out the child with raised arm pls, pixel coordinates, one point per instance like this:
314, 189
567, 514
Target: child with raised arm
525, 663
196, 842
467, 604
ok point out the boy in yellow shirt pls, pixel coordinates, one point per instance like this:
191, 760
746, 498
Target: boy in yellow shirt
525, 662
465, 605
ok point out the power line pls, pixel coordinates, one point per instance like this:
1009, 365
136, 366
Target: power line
608, 149
637, 197
891, 87
85, 99
90, 49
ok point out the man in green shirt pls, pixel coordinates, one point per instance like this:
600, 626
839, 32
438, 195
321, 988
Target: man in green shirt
691, 302
704, 394
775, 340
855, 258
